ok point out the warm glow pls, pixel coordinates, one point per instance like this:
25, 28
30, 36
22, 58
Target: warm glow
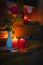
15, 43
25, 18
15, 15
21, 39
3, 34
15, 39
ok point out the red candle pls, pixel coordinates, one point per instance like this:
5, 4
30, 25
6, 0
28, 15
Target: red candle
21, 43
15, 43
25, 18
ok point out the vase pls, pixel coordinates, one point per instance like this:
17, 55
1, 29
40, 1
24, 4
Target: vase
9, 42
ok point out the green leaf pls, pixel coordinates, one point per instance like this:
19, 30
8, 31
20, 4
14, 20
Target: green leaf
7, 29
13, 31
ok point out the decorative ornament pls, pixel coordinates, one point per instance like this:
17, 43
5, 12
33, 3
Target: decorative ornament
14, 10
29, 9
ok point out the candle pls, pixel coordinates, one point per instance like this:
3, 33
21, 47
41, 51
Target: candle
25, 18
15, 43
21, 43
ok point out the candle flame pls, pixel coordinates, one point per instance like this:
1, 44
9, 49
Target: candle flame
25, 17
15, 39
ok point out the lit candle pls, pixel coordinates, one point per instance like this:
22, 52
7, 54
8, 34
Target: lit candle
25, 18
15, 43
21, 43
